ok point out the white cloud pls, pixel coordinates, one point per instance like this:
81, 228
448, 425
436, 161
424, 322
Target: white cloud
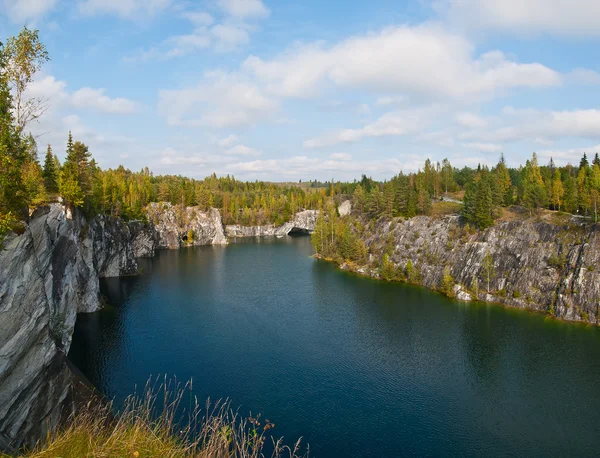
304, 167
584, 76
424, 60
228, 37
390, 100
470, 120
244, 8
198, 18
242, 150
47, 87
129, 9
87, 97
341, 157
227, 141
390, 124
564, 156
25, 10
220, 100
541, 126
484, 147
562, 17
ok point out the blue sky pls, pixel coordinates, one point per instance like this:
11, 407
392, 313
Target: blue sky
301, 90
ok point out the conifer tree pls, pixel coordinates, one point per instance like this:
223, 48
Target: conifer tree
534, 191
50, 172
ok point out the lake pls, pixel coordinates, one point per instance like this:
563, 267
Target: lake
356, 367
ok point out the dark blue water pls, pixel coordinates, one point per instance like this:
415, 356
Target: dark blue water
355, 366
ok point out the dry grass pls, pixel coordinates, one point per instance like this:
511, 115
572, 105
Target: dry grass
146, 429
445, 208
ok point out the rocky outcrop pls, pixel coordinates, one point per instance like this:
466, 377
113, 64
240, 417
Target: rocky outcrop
47, 275
536, 265
144, 239
345, 208
174, 227
302, 222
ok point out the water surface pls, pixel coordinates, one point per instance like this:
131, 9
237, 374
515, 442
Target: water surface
357, 367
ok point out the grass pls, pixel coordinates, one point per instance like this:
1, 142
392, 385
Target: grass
149, 426
445, 208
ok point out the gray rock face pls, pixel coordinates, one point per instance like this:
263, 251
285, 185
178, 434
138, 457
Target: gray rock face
345, 208
537, 265
47, 275
144, 239
173, 226
302, 222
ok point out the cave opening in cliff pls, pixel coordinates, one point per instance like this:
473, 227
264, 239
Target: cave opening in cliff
298, 232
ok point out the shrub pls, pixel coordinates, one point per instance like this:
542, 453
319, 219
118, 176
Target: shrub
516, 294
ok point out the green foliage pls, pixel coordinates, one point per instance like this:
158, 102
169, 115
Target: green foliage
336, 238
50, 172
447, 282
387, 270
412, 273
557, 261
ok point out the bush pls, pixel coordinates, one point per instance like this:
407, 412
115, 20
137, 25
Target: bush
558, 262
516, 294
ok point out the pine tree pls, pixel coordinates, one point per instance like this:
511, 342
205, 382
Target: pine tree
50, 172
596, 160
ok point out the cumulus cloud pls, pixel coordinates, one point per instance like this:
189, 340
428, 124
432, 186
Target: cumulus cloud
229, 33
470, 120
219, 100
537, 125
584, 76
244, 8
394, 123
341, 157
565, 156
96, 99
26, 10
227, 141
484, 147
242, 150
129, 9
425, 60
562, 17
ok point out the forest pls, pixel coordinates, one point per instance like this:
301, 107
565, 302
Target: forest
28, 180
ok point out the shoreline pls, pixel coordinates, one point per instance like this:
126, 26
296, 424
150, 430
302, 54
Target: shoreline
362, 272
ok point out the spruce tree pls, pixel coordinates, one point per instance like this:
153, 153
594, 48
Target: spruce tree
50, 173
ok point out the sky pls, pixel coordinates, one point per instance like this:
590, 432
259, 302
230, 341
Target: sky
289, 90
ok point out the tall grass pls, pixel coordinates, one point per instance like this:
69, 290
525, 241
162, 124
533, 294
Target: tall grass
159, 424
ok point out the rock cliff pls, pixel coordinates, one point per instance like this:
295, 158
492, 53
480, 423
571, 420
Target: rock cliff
51, 272
536, 265
47, 275
302, 222
174, 227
